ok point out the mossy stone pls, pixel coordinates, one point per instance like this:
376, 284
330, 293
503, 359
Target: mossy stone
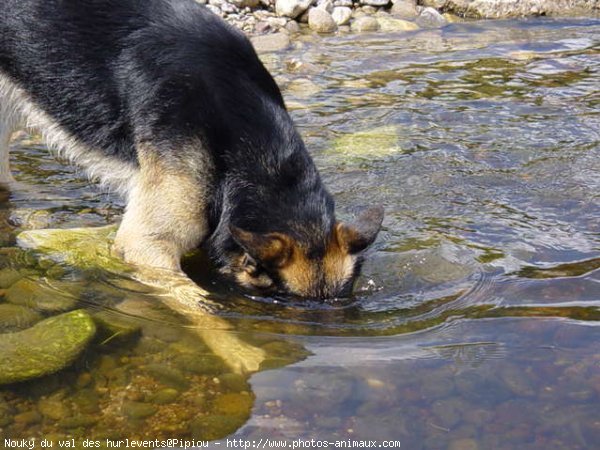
378, 142
27, 292
163, 396
45, 348
8, 277
234, 382
201, 364
168, 376
53, 407
233, 404
115, 328
78, 421
138, 410
17, 317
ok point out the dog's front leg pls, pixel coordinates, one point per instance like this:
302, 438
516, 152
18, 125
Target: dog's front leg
165, 214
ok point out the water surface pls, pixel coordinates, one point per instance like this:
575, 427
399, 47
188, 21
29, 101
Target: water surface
474, 323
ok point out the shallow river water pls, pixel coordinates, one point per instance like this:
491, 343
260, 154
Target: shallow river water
475, 322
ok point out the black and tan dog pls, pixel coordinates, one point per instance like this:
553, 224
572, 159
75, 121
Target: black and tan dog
168, 105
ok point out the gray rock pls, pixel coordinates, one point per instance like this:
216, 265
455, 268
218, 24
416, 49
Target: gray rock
321, 21
271, 42
45, 348
404, 9
292, 27
430, 18
366, 23
292, 8
342, 3
375, 2
341, 15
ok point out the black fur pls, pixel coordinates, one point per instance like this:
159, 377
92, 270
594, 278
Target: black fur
115, 73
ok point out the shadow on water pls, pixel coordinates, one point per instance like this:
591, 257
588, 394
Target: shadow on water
474, 322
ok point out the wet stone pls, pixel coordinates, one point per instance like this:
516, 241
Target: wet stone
163, 396
168, 376
233, 382
77, 422
437, 387
53, 407
234, 404
201, 364
45, 348
8, 277
516, 380
28, 418
28, 293
115, 328
17, 317
364, 24
138, 410
447, 412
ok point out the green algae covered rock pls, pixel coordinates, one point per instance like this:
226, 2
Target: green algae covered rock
376, 143
84, 248
45, 348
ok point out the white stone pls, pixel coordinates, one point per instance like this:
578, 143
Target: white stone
404, 9
321, 21
375, 2
341, 15
430, 18
292, 8
366, 23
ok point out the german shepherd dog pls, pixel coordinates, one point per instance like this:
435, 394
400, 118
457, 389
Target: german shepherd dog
169, 106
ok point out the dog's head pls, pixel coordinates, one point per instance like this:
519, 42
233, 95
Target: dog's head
277, 263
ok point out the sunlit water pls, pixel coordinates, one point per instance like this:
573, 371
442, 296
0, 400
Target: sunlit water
474, 323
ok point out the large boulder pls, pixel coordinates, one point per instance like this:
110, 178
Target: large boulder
45, 348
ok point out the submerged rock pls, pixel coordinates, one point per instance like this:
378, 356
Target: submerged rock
391, 25
45, 348
27, 292
375, 143
17, 317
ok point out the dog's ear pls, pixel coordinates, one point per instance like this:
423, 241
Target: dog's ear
361, 233
272, 249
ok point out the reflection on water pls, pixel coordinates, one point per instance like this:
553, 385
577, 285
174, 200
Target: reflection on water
473, 325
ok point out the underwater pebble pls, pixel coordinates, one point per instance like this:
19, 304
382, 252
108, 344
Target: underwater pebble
53, 407
8, 277
138, 410
215, 426
163, 396
168, 376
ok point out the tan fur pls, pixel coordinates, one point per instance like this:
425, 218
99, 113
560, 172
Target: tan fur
166, 209
302, 275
